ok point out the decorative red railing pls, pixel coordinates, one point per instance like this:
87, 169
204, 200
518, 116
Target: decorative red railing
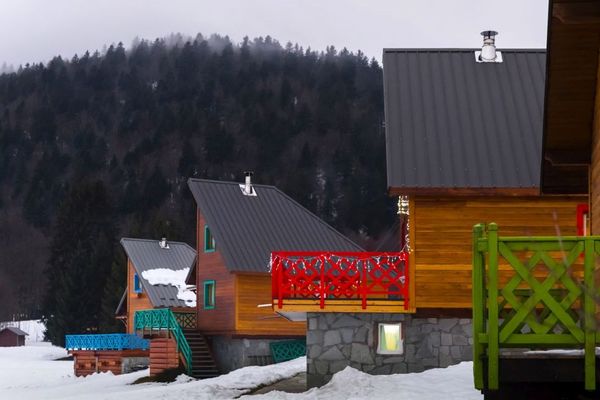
340, 275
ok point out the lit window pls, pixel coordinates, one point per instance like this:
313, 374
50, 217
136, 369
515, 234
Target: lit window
390, 339
209, 240
137, 286
209, 295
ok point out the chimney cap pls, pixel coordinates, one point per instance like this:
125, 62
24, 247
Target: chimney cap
488, 34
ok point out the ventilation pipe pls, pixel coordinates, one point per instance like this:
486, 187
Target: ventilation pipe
163, 243
246, 187
488, 51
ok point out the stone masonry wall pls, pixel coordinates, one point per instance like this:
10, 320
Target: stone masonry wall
337, 340
233, 353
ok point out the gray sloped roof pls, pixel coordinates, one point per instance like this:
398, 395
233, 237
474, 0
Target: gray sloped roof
146, 254
15, 330
248, 228
454, 123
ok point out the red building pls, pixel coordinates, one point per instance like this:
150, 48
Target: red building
12, 336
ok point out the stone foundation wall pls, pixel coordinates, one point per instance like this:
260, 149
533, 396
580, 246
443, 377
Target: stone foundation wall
337, 340
233, 353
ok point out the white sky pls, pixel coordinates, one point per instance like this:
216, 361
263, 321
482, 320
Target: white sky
37, 30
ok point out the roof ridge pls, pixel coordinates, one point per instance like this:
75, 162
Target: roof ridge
459, 49
155, 240
228, 182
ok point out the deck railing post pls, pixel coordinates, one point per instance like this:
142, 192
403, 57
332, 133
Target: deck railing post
589, 309
478, 307
493, 342
322, 283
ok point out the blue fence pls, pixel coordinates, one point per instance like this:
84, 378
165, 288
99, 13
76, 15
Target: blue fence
110, 341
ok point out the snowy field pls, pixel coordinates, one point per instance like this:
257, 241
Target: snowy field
30, 372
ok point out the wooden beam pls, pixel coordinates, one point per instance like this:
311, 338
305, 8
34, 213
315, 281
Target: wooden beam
504, 192
587, 12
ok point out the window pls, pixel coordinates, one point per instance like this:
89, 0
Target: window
137, 286
209, 240
390, 339
209, 295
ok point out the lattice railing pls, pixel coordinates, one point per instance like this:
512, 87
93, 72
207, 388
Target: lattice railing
286, 350
340, 275
110, 341
187, 320
164, 319
535, 293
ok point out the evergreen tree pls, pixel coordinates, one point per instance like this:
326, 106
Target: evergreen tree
113, 292
81, 256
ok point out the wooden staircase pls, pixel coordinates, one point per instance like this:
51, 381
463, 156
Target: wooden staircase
203, 363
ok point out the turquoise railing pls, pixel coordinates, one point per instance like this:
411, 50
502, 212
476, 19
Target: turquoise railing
165, 319
286, 350
110, 341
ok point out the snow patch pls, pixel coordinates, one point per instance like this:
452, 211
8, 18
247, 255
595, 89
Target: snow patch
165, 276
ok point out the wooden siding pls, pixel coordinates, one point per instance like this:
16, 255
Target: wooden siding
211, 266
255, 289
441, 238
594, 174
135, 301
87, 362
163, 355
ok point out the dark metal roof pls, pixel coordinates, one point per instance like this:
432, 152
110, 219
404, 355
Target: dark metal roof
15, 330
146, 254
248, 228
454, 123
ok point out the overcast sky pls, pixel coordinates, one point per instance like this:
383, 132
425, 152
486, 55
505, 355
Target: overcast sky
37, 30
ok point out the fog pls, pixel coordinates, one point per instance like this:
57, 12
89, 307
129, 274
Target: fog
33, 31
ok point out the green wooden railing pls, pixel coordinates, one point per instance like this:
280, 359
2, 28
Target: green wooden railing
532, 292
165, 319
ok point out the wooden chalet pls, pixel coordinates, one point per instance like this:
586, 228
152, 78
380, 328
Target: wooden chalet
12, 336
542, 292
144, 255
239, 225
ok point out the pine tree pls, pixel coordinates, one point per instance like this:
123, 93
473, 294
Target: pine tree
82, 251
113, 291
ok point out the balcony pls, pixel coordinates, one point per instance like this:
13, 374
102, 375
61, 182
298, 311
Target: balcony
340, 282
534, 293
110, 341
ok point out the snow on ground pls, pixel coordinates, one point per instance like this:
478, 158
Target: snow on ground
165, 276
454, 382
30, 372
34, 328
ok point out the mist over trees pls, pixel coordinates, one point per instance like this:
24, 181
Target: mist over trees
142, 121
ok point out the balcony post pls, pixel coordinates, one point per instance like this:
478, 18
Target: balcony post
493, 343
589, 315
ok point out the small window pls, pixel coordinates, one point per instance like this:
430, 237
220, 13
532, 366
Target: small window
209, 295
209, 240
137, 287
390, 339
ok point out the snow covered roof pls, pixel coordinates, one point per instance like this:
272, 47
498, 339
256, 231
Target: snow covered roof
248, 228
162, 270
15, 330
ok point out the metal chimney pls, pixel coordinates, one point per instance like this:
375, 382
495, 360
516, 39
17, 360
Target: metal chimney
488, 51
163, 243
246, 187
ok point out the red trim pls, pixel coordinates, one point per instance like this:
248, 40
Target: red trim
582, 209
339, 275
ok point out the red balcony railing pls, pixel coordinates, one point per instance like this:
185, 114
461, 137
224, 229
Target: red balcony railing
327, 276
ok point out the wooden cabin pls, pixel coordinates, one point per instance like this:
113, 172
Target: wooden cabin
238, 226
12, 336
567, 315
153, 267
464, 141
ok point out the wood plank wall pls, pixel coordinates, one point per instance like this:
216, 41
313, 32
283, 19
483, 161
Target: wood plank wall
163, 355
210, 266
594, 174
255, 289
442, 230
135, 301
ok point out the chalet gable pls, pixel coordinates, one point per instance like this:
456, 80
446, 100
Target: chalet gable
247, 228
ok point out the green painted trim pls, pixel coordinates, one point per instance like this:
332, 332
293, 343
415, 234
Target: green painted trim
589, 310
214, 294
478, 308
492, 306
209, 247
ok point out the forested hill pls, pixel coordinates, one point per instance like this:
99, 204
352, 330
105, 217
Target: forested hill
143, 120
